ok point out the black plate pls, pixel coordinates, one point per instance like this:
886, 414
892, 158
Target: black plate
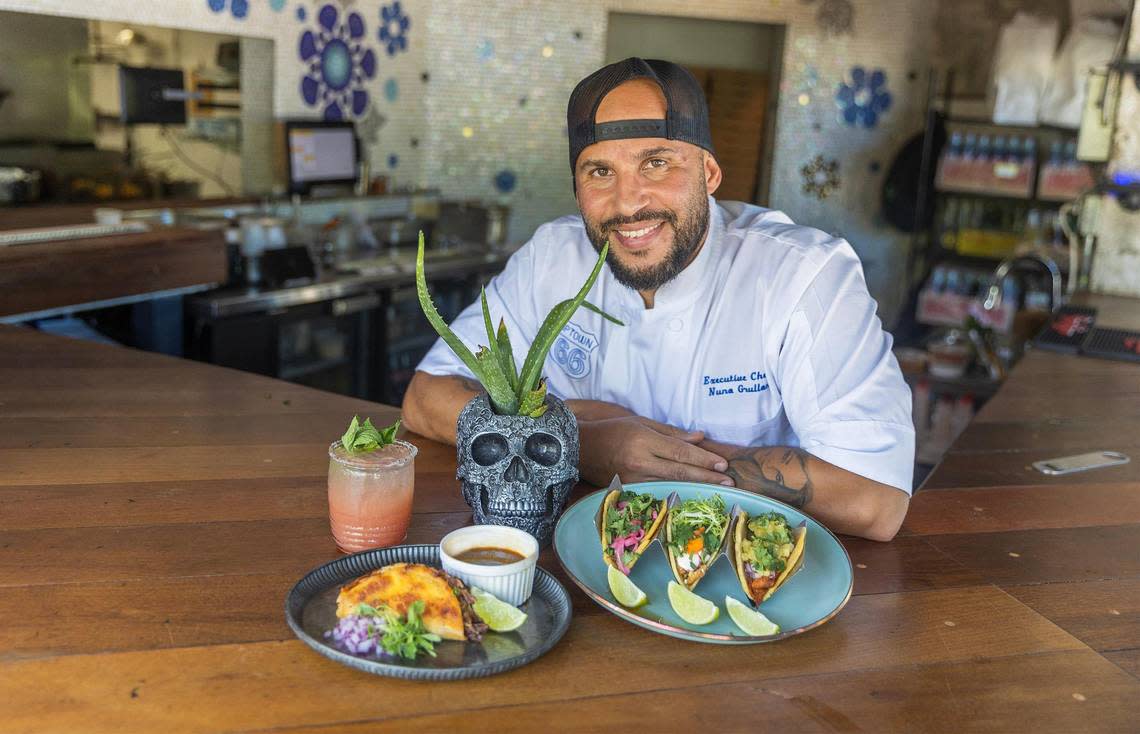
310, 610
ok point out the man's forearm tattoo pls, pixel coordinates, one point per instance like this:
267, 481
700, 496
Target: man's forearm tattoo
470, 384
780, 473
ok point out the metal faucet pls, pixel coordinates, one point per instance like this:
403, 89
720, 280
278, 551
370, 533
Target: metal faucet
993, 295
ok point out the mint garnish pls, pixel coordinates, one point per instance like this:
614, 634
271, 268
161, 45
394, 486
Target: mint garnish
359, 438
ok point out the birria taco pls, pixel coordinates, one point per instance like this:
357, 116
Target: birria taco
447, 601
630, 521
767, 550
694, 534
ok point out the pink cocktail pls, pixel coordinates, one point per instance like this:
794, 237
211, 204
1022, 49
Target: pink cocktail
370, 495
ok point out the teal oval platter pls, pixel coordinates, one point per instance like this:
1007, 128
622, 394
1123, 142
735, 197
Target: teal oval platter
808, 599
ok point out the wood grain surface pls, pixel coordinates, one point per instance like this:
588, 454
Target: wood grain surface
154, 513
40, 276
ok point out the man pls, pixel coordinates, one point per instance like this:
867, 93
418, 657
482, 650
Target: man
751, 355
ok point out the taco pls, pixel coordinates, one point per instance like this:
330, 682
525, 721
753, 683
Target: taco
694, 533
629, 523
448, 604
767, 551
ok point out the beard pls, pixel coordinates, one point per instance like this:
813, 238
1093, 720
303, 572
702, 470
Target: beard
688, 234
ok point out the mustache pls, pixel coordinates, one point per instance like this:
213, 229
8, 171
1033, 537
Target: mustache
642, 216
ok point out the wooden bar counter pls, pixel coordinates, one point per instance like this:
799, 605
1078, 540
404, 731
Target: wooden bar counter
154, 513
58, 274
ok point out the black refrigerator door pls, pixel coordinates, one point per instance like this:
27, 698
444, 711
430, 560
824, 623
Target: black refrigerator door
331, 345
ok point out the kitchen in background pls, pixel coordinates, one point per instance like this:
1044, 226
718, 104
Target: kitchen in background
881, 122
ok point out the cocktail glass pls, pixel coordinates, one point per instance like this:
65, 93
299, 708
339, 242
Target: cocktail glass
370, 495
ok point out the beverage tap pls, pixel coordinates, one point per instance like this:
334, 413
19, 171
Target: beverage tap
993, 294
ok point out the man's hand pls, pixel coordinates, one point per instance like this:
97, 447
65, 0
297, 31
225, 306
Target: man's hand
638, 449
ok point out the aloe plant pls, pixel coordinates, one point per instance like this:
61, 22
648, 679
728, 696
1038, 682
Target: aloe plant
511, 392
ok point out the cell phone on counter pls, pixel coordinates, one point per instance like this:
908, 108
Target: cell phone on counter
1080, 462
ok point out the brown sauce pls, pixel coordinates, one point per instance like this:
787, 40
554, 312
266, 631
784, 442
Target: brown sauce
489, 556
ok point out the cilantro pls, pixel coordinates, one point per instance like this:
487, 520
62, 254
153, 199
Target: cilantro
770, 526
769, 542
361, 438
404, 637
682, 534
408, 638
619, 523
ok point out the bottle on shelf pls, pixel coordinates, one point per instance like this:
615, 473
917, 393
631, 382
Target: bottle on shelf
948, 224
1013, 150
950, 164
999, 149
983, 164
1054, 154
1029, 149
955, 150
970, 147
1069, 157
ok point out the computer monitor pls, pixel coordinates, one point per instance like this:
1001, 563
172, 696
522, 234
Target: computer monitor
320, 154
154, 96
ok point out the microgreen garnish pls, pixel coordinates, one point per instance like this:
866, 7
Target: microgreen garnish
707, 516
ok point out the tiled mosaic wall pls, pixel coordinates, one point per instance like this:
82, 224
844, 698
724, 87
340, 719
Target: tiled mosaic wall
373, 78
501, 73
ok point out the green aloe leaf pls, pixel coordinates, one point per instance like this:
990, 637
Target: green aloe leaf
534, 402
591, 307
504, 357
551, 327
504, 400
507, 356
487, 319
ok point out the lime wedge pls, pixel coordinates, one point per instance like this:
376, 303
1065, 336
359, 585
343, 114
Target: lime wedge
749, 620
690, 607
499, 616
624, 590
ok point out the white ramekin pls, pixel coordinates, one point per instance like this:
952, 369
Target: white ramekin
510, 582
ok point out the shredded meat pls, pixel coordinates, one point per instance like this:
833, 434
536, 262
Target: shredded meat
473, 627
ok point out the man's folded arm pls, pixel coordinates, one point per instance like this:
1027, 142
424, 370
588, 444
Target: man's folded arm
848, 406
844, 501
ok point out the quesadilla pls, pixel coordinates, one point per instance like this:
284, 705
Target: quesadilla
447, 601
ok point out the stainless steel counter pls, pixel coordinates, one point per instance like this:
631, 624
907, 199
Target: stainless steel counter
228, 302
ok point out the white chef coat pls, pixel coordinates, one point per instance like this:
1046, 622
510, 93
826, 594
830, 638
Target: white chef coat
768, 338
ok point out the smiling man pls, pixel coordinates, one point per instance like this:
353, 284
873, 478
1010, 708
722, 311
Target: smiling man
751, 354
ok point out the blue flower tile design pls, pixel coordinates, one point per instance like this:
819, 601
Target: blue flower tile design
277, 5
301, 13
391, 90
505, 181
393, 160
863, 98
338, 64
394, 24
238, 8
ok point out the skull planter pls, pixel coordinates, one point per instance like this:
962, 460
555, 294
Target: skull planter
517, 470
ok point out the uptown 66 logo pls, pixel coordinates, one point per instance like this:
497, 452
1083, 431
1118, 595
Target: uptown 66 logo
572, 350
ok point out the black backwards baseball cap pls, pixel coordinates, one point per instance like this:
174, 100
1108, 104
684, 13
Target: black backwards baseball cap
686, 111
